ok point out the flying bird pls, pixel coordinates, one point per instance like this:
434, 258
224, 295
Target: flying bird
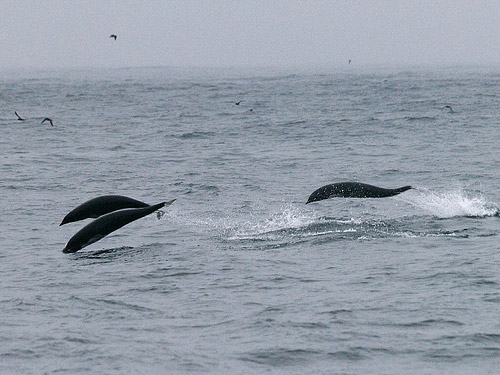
47, 119
113, 36
350, 61
18, 117
449, 107
238, 103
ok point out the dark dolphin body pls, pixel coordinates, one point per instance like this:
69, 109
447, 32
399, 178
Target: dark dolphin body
353, 190
100, 206
106, 224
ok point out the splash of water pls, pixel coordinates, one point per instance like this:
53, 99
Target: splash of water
286, 218
290, 222
451, 203
249, 225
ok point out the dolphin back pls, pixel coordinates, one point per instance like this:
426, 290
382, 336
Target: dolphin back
99, 206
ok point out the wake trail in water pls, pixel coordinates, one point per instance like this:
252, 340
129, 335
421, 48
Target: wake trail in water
250, 225
448, 204
288, 224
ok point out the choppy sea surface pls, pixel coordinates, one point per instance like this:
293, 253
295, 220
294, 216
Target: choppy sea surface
240, 276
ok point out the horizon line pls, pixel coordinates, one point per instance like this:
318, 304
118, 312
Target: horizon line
253, 67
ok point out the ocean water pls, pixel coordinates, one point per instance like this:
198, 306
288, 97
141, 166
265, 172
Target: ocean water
240, 276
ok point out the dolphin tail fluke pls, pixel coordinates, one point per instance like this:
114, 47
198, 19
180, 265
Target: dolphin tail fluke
160, 212
404, 188
162, 204
168, 203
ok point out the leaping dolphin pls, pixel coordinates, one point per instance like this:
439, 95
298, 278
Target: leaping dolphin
107, 224
100, 206
353, 190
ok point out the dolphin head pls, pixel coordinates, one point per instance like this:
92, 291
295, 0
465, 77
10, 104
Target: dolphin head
64, 221
312, 198
317, 195
71, 248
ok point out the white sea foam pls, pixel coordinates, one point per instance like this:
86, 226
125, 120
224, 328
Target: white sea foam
450, 203
250, 225
288, 217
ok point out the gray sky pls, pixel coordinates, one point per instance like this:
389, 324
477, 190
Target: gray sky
58, 33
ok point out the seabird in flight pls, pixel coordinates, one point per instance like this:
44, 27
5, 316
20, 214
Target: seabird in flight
449, 107
47, 119
18, 117
238, 103
113, 36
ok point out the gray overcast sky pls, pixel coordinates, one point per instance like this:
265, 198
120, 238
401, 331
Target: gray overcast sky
60, 33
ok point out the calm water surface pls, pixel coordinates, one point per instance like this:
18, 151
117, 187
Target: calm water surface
240, 276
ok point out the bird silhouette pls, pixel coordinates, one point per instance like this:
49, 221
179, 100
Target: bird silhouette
47, 119
18, 117
350, 62
449, 107
238, 103
113, 36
